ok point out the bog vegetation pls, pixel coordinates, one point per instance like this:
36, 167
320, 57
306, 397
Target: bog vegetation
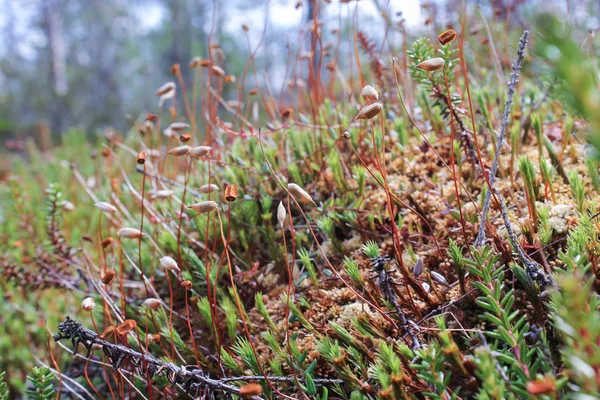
422, 225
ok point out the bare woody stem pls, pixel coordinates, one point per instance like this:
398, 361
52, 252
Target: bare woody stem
190, 377
514, 79
533, 269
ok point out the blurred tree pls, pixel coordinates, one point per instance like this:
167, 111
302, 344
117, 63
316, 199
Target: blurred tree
90, 63
52, 28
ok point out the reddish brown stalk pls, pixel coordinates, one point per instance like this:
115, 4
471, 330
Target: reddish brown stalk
187, 173
53, 361
209, 106
196, 92
142, 229
314, 72
434, 150
171, 314
213, 304
356, 52
144, 363
147, 351
121, 286
395, 239
506, 26
452, 163
464, 70
153, 143
162, 346
105, 314
188, 109
335, 60
212, 301
241, 310
491, 41
221, 259
291, 293
100, 238
251, 62
119, 377
106, 373
87, 361
189, 321
361, 297
364, 164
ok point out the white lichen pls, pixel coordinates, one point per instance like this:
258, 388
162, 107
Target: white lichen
560, 214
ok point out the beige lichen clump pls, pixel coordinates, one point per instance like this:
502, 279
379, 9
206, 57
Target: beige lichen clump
503, 233
353, 243
562, 217
351, 311
267, 278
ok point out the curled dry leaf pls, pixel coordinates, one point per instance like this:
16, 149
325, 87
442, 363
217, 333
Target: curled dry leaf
127, 326
107, 332
544, 385
250, 390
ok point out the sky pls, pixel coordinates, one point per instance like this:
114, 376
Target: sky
283, 13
